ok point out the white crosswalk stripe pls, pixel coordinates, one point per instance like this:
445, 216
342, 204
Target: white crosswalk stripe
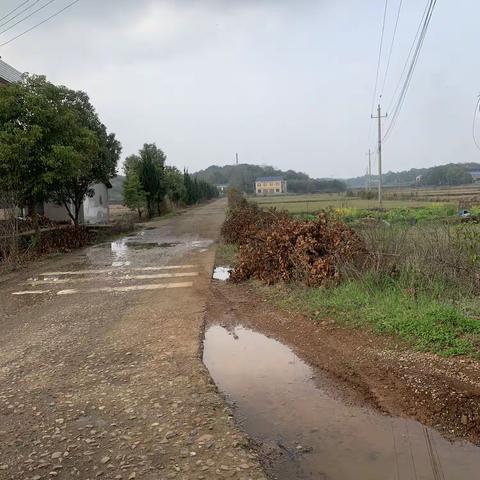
119, 269
60, 281
154, 286
31, 292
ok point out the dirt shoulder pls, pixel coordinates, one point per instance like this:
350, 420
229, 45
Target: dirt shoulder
443, 393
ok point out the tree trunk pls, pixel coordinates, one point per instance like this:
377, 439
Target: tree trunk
77, 214
36, 226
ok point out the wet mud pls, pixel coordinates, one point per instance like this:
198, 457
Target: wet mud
309, 431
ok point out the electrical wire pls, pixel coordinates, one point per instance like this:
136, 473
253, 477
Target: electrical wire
374, 95
408, 57
19, 13
477, 106
40, 23
14, 10
411, 70
27, 17
379, 55
391, 47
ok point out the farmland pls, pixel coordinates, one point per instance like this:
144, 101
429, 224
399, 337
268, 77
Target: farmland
399, 203
316, 202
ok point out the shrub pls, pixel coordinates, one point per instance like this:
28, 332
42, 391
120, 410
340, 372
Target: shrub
276, 247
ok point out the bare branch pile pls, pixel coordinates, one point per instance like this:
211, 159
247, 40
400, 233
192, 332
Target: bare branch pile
275, 247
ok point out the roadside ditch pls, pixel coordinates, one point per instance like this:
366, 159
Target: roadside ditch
326, 401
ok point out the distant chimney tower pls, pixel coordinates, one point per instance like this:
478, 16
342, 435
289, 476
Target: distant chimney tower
236, 158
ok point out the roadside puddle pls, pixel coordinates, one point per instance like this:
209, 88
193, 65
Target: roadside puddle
308, 433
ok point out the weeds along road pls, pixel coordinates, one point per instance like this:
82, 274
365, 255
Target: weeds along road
100, 369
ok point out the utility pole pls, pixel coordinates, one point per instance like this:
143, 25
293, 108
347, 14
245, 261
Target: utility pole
380, 179
369, 170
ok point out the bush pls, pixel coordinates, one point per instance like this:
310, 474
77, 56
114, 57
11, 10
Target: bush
234, 196
246, 219
427, 257
276, 247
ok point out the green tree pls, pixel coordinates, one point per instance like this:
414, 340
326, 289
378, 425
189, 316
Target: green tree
175, 185
52, 145
87, 154
133, 193
149, 166
32, 122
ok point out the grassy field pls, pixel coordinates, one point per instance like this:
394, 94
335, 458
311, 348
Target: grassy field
462, 193
315, 203
354, 208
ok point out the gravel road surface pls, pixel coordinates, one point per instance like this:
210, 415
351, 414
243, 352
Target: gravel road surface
100, 367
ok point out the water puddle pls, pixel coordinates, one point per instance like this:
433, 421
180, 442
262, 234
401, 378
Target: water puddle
141, 245
221, 273
315, 435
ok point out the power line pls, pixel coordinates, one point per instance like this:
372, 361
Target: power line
374, 95
411, 70
379, 55
391, 46
40, 23
19, 13
27, 17
408, 56
474, 122
14, 10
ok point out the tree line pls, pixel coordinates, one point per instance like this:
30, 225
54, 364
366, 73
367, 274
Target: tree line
53, 146
149, 183
450, 174
243, 178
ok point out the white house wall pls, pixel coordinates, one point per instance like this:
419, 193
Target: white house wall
95, 209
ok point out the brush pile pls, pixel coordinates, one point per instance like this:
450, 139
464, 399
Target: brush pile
275, 247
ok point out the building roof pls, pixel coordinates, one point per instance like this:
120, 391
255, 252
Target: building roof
8, 73
269, 179
474, 174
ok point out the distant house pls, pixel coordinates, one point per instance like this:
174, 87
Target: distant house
270, 186
475, 176
8, 74
222, 189
95, 210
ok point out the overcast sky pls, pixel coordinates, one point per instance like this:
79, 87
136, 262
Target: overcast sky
283, 83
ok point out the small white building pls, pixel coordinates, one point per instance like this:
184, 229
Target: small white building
94, 210
475, 176
222, 189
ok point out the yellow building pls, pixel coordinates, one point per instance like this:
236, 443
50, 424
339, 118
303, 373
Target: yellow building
270, 186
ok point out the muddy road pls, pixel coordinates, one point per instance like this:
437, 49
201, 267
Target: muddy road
100, 368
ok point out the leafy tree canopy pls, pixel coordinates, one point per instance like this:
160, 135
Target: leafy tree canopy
52, 144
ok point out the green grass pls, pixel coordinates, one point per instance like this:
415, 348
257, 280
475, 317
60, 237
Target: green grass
433, 211
351, 207
225, 254
426, 323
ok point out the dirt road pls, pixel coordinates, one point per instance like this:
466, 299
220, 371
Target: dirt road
100, 369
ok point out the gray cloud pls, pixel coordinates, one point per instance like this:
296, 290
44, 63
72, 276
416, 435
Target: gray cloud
281, 82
